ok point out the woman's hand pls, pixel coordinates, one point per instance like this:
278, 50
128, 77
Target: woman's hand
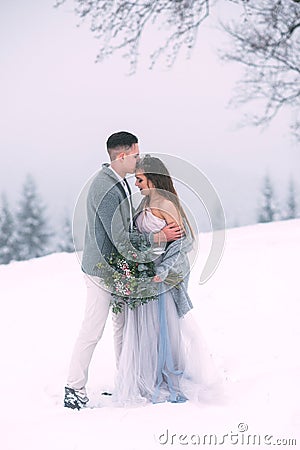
157, 279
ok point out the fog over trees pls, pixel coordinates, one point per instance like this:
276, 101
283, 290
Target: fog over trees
26, 232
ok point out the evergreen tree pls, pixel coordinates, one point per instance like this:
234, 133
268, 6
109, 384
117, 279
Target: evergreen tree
8, 250
65, 243
268, 210
291, 209
33, 234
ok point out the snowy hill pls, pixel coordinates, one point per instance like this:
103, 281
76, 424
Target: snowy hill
249, 315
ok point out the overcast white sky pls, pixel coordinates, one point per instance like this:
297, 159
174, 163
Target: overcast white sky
58, 107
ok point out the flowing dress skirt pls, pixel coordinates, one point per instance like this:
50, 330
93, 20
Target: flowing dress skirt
163, 357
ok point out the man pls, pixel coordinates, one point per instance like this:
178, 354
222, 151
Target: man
109, 219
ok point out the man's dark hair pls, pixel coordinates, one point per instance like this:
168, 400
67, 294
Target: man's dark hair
121, 139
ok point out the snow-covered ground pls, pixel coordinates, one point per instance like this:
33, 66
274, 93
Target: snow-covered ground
249, 315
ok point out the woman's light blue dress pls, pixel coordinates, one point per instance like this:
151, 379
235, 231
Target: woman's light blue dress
163, 357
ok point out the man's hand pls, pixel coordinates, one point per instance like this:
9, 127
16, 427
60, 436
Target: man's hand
169, 233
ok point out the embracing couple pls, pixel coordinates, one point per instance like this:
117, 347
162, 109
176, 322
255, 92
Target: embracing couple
159, 353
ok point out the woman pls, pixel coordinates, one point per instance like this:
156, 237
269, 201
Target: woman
162, 357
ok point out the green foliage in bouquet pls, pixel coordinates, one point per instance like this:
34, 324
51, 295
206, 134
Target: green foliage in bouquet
129, 281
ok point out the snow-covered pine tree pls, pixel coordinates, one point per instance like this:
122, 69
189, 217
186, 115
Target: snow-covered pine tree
291, 204
65, 243
8, 250
268, 210
33, 235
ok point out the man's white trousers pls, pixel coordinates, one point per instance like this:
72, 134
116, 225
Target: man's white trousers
95, 316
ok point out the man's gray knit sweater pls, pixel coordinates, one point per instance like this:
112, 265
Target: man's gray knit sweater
108, 219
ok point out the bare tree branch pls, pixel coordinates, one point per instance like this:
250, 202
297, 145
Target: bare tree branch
267, 43
265, 40
119, 25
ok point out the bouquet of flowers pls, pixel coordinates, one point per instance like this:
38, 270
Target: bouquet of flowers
129, 281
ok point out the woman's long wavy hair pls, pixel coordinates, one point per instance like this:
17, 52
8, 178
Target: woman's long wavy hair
155, 171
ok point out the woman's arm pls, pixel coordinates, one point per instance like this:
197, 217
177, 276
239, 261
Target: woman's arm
174, 264
167, 210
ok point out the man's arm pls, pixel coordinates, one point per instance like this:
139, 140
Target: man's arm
170, 232
110, 214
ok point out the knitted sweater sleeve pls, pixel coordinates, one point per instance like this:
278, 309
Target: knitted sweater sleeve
110, 214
